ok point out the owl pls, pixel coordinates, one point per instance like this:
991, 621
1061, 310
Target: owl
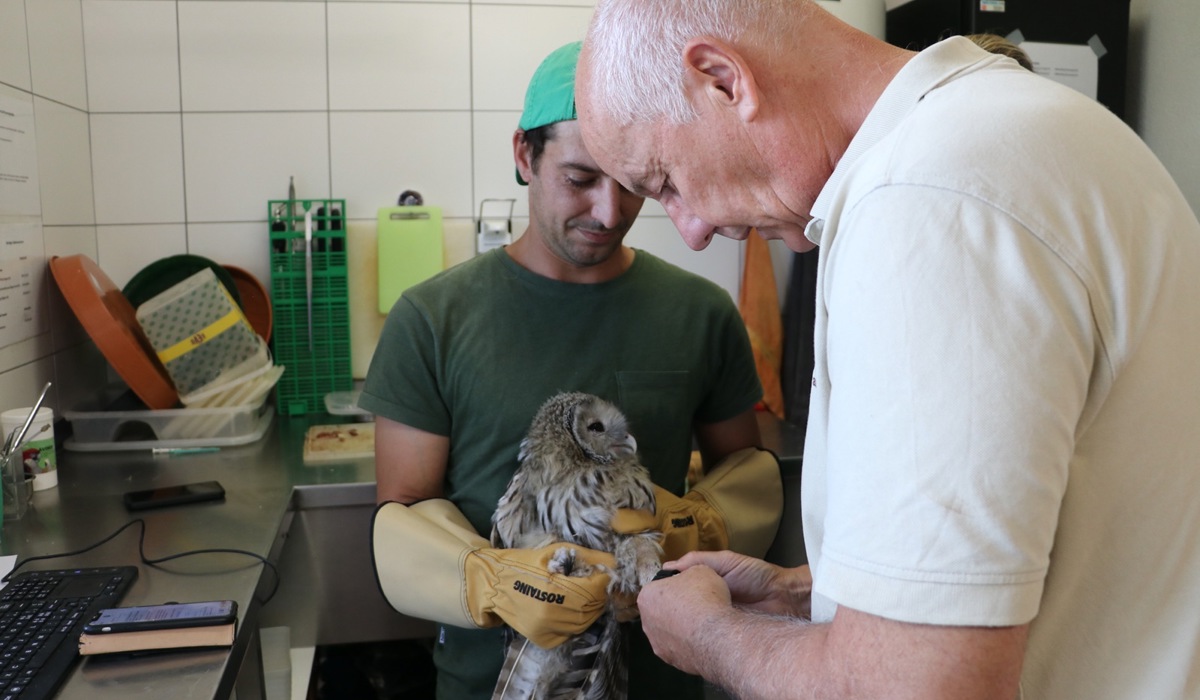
577, 465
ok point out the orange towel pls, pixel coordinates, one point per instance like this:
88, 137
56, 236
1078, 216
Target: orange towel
758, 302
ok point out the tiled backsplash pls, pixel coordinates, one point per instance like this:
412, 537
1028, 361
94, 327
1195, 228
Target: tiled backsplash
164, 126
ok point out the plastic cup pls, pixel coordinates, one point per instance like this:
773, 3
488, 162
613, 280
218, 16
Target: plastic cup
17, 488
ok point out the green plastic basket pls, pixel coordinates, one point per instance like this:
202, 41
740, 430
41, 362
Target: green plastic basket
310, 303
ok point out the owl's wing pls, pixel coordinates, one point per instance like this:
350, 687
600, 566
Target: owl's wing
511, 511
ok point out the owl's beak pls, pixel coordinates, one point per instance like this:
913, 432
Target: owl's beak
626, 447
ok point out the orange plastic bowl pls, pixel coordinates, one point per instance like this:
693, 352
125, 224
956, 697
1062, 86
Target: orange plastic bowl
255, 302
109, 319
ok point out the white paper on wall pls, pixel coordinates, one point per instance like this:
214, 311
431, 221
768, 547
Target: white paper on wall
22, 277
19, 194
1074, 65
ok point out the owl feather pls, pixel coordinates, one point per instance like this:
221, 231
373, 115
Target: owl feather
577, 465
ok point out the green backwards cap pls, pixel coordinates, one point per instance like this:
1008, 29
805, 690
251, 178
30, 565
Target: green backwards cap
550, 97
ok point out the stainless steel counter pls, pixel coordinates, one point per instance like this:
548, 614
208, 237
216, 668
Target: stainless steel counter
311, 521
263, 481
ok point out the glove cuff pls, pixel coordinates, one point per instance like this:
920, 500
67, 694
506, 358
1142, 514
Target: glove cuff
420, 556
746, 491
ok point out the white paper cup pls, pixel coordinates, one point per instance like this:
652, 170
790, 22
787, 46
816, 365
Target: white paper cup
37, 448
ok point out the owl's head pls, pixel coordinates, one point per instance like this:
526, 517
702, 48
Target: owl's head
597, 427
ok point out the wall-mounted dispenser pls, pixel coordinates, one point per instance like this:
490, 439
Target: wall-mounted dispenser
493, 232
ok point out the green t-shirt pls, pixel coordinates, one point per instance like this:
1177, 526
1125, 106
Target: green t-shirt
473, 353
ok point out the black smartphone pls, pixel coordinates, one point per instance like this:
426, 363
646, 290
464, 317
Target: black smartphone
174, 495
166, 616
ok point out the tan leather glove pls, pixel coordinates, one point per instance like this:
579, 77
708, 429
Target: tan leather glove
735, 506
431, 564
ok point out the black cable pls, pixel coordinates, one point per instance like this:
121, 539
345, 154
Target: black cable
153, 562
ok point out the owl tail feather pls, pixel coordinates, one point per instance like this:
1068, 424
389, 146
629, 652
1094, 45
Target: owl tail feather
515, 682
590, 666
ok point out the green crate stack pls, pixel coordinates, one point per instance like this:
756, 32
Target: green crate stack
317, 358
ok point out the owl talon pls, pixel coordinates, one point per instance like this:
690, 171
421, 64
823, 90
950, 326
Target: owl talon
565, 562
562, 562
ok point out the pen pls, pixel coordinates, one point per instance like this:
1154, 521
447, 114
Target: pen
180, 451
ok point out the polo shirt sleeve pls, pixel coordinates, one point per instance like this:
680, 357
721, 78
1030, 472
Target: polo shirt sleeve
960, 347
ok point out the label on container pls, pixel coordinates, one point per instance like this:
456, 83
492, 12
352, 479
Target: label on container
38, 456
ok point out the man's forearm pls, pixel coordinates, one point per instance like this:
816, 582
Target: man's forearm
766, 657
759, 656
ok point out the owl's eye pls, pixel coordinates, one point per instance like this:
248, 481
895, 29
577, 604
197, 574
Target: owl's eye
596, 427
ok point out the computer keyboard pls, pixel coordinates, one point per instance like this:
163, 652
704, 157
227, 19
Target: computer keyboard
41, 616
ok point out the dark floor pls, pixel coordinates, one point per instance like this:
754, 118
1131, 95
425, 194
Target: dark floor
401, 670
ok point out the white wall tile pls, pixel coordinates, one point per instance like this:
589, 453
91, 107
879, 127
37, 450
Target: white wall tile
235, 163
378, 155
501, 65
495, 171
399, 56
56, 50
35, 350
21, 386
14, 44
64, 164
435, 2
458, 239
69, 240
237, 56
573, 3
137, 166
132, 51
553, 3
719, 262
124, 250
244, 245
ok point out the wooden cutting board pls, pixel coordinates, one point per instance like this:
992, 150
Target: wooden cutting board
335, 443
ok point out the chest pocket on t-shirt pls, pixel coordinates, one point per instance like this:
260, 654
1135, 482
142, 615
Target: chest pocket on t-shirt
659, 406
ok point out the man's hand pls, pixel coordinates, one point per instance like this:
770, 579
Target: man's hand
703, 621
756, 585
679, 613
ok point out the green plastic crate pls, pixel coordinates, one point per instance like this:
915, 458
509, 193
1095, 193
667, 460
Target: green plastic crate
315, 353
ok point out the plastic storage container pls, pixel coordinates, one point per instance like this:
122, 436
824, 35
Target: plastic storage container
310, 302
175, 427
